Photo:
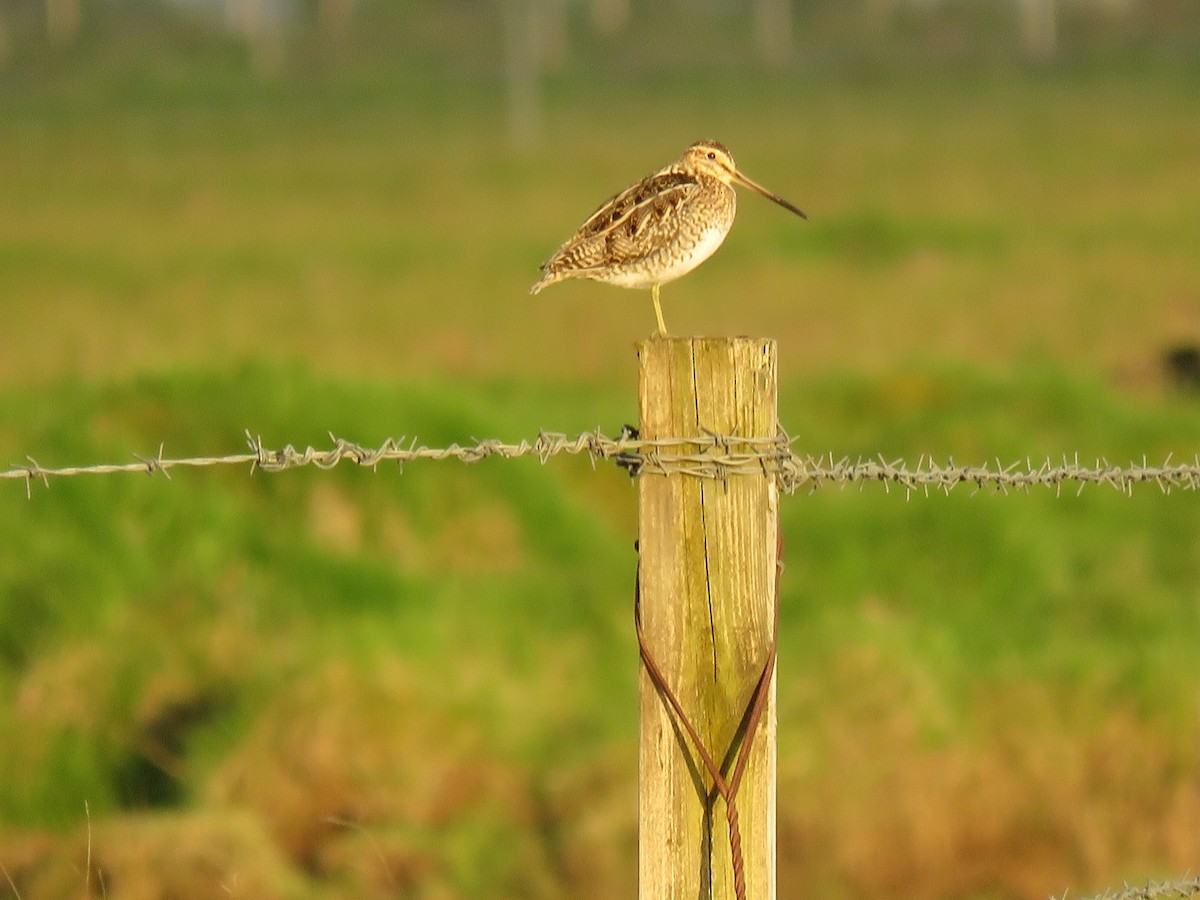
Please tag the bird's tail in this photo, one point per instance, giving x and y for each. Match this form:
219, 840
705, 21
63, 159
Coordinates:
545, 281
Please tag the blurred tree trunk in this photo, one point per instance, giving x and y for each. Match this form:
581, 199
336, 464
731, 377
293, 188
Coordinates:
522, 64
251, 20
1039, 29
610, 16
5, 39
773, 31
62, 20
879, 14
333, 18
550, 32
244, 17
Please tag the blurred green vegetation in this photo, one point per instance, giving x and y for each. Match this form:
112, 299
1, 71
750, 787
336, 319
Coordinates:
422, 683
316, 647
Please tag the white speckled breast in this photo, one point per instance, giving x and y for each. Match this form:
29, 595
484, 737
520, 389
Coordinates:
706, 245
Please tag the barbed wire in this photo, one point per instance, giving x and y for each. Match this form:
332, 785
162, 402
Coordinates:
709, 455
1173, 890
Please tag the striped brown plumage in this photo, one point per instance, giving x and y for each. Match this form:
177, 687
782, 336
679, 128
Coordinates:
658, 229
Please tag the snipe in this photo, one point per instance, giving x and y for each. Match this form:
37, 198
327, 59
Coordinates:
660, 228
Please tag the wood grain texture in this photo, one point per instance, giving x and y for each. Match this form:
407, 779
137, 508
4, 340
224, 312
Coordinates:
708, 552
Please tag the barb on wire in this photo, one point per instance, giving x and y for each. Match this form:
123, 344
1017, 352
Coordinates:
709, 455
928, 475
1167, 890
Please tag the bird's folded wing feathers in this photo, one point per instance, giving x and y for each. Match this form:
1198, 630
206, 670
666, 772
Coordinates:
623, 219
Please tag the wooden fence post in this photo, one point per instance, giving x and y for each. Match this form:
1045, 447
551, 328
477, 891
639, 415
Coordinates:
707, 581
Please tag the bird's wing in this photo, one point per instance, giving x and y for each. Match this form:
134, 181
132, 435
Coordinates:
622, 224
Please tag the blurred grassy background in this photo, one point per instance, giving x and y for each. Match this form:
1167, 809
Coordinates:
422, 684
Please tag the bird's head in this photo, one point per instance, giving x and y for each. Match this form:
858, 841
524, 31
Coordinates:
714, 160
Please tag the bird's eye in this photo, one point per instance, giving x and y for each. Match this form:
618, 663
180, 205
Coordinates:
711, 155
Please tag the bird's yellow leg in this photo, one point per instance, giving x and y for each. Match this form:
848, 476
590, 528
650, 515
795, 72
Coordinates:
662, 326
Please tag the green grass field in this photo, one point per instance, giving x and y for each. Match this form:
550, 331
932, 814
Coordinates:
423, 683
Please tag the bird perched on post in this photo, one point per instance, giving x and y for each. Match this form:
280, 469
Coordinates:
660, 228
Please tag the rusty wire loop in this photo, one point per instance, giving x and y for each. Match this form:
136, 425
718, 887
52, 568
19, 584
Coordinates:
709, 455
725, 787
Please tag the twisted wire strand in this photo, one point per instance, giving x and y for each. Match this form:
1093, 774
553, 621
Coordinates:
1185, 889
709, 455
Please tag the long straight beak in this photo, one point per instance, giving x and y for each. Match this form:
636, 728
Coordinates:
775, 198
